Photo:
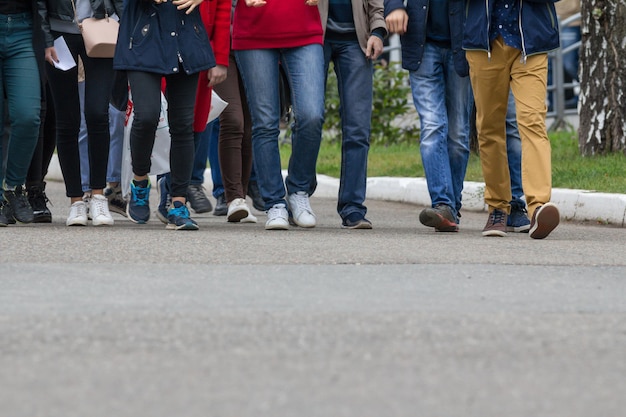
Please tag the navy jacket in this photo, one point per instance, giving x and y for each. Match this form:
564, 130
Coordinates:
415, 37
157, 38
538, 22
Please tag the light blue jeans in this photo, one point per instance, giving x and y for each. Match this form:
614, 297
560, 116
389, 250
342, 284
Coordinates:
442, 100
354, 81
21, 84
304, 67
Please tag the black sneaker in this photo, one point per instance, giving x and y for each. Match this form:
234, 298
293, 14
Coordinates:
545, 219
38, 201
221, 208
197, 199
356, 220
18, 201
117, 203
6, 216
496, 224
440, 217
255, 194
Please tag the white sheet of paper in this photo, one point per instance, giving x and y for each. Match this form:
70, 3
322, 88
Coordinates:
217, 107
66, 60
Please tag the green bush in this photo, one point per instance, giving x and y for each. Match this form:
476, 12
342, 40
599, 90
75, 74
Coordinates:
390, 102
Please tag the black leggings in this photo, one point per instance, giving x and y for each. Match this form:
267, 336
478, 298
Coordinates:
181, 89
64, 86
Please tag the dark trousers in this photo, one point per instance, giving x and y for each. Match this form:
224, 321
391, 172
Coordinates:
64, 86
145, 89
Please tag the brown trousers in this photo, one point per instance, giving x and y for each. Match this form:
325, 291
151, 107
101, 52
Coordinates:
491, 79
235, 140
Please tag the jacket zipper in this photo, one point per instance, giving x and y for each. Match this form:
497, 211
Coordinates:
521, 32
488, 29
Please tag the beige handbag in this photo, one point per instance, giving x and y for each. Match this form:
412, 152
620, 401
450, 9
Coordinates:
99, 35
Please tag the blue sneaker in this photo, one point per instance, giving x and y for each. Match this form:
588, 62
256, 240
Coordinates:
165, 199
138, 208
518, 220
178, 218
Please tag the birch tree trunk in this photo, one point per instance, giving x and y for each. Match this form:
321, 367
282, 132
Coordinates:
602, 77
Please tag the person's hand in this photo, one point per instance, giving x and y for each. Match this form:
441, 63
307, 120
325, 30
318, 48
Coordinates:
374, 47
216, 75
51, 55
255, 3
397, 21
184, 4
311, 2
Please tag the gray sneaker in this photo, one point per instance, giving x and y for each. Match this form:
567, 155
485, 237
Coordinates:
197, 199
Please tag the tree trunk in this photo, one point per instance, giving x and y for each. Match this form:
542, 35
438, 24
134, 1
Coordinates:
603, 77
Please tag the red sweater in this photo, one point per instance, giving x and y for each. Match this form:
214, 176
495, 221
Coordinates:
278, 24
216, 17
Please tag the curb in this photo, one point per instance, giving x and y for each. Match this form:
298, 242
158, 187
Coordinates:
578, 205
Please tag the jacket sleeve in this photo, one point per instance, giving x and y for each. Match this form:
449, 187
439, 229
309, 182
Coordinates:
220, 36
376, 14
42, 9
391, 5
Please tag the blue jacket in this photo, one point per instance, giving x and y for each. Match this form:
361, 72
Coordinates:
157, 37
538, 24
415, 37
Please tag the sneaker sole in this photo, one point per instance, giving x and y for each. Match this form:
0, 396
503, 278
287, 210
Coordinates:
441, 224
105, 222
520, 229
237, 216
306, 226
277, 226
494, 233
186, 226
547, 219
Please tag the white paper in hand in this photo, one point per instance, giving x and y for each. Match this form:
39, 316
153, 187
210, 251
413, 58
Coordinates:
217, 107
66, 60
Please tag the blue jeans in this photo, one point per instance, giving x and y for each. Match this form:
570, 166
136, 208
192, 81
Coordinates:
20, 82
304, 67
442, 100
206, 147
514, 154
354, 81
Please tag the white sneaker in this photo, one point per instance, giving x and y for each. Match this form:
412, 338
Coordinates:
99, 210
237, 210
78, 214
277, 218
301, 212
250, 219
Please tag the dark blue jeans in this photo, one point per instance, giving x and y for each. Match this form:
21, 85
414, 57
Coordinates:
354, 81
20, 82
206, 147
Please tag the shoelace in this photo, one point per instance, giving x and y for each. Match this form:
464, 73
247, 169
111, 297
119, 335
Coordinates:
497, 216
100, 207
140, 195
303, 203
197, 192
181, 211
79, 210
275, 211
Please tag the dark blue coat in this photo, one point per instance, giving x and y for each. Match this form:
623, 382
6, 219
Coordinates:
538, 22
415, 37
157, 38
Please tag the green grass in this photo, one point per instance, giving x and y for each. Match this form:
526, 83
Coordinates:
569, 168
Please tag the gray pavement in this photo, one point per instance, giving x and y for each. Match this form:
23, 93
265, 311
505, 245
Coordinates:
236, 321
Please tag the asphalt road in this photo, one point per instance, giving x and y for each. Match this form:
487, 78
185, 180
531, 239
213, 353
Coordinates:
236, 321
